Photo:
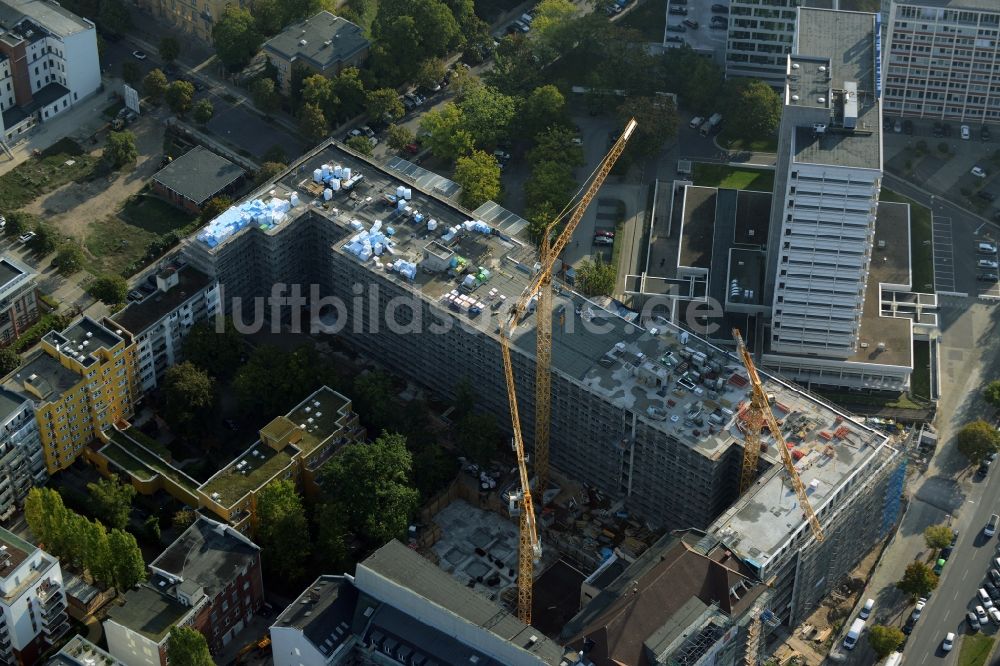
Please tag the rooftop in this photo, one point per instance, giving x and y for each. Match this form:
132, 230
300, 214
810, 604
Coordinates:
45, 374
408, 569
834, 53
322, 415
982, 5
149, 613
698, 226
322, 40
207, 555
248, 472
199, 174
78, 651
47, 14
81, 339
13, 274
323, 612
393, 630
139, 316
13, 551
136, 454
10, 402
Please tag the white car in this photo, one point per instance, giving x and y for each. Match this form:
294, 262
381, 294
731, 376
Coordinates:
987, 263
981, 615
995, 616
966, 134
918, 609
25, 237
978, 172
138, 55
949, 642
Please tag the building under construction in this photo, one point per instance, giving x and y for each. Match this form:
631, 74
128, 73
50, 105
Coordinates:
641, 410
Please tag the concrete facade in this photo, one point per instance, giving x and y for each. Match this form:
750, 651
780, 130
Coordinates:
760, 38
22, 462
18, 304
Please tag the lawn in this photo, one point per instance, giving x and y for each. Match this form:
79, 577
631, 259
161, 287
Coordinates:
921, 248
63, 162
920, 380
157, 216
975, 649
718, 175
648, 19
769, 145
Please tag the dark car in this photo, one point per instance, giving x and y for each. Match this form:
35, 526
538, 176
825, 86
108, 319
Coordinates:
681, 11
984, 133
887, 123
718, 26
945, 553
676, 28
954, 538
691, 24
986, 196
908, 627
908, 127
992, 590
720, 9
675, 39
995, 576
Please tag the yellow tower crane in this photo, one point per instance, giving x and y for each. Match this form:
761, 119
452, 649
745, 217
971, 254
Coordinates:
530, 548
758, 414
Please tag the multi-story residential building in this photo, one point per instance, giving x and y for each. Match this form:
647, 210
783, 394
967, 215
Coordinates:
293, 447
158, 323
78, 651
209, 579
32, 600
80, 381
940, 60
18, 305
22, 463
324, 44
191, 18
48, 62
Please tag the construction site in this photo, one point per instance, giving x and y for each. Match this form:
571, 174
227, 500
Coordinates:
646, 425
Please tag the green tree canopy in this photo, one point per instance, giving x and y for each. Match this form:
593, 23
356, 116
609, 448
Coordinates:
269, 16
374, 399
443, 131
179, 96
236, 37
553, 25
550, 183
203, 111
992, 393
155, 85
696, 79
486, 114
188, 393
10, 361
282, 531
112, 501
318, 91
69, 258
131, 72
977, 440
383, 104
753, 110
657, 123
555, 144
399, 136
918, 580
120, 149
595, 277
515, 68
44, 241
289, 376
215, 207
360, 144
937, 536
371, 483
332, 536
183, 519
269, 170
545, 107
430, 72
479, 176
113, 16
169, 49
265, 95
884, 640
479, 437
187, 646
109, 289
350, 93
312, 122
127, 565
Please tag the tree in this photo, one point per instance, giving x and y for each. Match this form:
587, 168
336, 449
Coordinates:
10, 361
318, 91
992, 393
46, 516
552, 26
113, 16
556, 144
397, 52
179, 96
187, 647
203, 111
331, 536
697, 80
127, 565
282, 531
399, 136
288, 375
657, 118
595, 277
543, 108
69, 258
349, 91
169, 49
112, 501
131, 72
938, 536
214, 207
383, 104
918, 580
269, 15
371, 483
753, 110
236, 37
44, 241
443, 132
478, 437
109, 289
265, 95
550, 182
431, 72
152, 528
977, 440
486, 114
433, 468
884, 640
120, 149
155, 85
183, 519
373, 399
479, 176
312, 122
269, 170
360, 144
188, 392
515, 67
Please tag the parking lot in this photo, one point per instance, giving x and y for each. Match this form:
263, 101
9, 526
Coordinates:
696, 19
944, 255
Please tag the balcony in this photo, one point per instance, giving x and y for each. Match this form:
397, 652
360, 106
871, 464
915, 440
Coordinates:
48, 591
53, 630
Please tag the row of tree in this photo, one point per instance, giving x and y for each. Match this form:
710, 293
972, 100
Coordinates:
112, 557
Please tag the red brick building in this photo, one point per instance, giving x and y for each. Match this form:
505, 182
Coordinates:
195, 177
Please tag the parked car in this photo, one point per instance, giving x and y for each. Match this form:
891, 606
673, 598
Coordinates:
691, 24
986, 248
986, 196
897, 127
978, 172
991, 590
680, 11
26, 236
603, 240
918, 609
675, 39
866, 610
411, 148
720, 9
136, 295
138, 55
908, 127
995, 615
974, 623
718, 26
988, 277
945, 552
995, 576
986, 263
949, 642
984, 133
939, 566
676, 28
981, 615
966, 134
605, 233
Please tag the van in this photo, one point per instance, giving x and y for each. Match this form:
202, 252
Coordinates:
984, 598
854, 634
866, 610
696, 122
991, 527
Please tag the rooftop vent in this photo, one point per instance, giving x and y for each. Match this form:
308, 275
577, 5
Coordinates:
822, 68
303, 42
795, 98
795, 65
822, 100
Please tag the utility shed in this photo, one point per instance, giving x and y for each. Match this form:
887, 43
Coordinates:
195, 177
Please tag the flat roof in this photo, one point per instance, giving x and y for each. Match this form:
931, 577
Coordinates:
248, 472
747, 267
11, 270
47, 375
137, 317
199, 174
833, 48
322, 40
78, 651
208, 554
49, 15
980, 5
322, 415
15, 551
149, 613
10, 402
698, 226
81, 339
323, 612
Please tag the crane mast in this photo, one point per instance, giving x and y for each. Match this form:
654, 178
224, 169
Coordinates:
760, 407
529, 545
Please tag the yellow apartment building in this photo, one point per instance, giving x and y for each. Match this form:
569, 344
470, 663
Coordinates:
81, 380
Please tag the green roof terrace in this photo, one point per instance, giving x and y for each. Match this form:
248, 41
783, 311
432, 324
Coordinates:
250, 471
138, 449
318, 417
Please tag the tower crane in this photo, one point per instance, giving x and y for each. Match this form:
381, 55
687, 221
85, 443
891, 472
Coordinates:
529, 546
758, 414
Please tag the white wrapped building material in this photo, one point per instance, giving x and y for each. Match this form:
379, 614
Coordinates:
327, 194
